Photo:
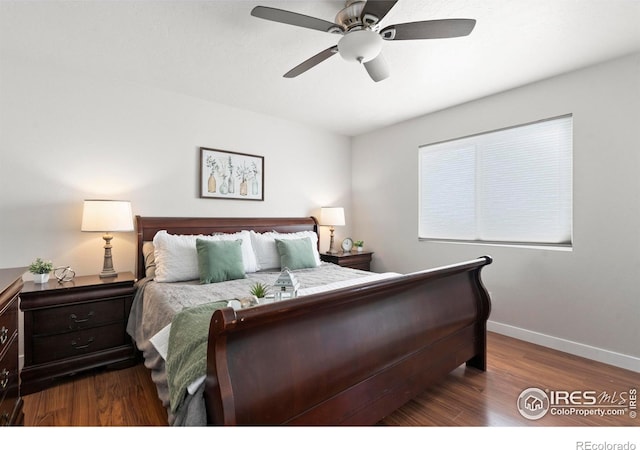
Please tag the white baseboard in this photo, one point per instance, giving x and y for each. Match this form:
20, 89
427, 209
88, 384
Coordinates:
563, 345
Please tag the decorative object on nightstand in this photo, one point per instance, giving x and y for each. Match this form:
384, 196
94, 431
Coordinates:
64, 274
354, 260
40, 270
332, 217
359, 245
107, 216
347, 245
74, 326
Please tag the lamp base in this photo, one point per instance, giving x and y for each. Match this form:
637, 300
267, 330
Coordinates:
107, 265
331, 251
111, 274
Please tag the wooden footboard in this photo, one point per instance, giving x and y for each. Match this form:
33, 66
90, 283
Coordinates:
349, 356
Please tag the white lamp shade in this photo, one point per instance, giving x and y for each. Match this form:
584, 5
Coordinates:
332, 216
107, 215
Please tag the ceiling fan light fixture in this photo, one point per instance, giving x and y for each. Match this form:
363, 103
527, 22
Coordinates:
361, 41
360, 45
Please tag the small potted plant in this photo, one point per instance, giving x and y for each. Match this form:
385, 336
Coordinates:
258, 291
358, 245
40, 270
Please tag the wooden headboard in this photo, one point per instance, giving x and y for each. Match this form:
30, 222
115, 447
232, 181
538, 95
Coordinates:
147, 227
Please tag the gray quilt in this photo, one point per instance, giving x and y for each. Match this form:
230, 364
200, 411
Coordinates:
156, 304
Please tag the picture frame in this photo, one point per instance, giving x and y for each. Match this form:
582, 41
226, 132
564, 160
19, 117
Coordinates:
231, 175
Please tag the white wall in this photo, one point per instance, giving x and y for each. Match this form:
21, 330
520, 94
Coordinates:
586, 301
67, 136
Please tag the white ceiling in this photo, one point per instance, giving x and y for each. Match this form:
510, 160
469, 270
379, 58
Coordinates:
217, 51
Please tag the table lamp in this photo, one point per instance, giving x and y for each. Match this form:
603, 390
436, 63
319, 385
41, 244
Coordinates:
107, 216
332, 217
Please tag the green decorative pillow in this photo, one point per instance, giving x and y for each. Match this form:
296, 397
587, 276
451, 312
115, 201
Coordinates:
296, 253
219, 260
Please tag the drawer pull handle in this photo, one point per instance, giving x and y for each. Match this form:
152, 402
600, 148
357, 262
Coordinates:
4, 335
4, 378
76, 320
75, 345
4, 419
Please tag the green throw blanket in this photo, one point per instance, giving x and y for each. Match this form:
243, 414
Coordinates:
187, 352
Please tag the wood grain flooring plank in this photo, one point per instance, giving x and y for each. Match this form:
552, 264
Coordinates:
466, 397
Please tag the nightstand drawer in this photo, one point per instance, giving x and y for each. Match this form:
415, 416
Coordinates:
77, 317
8, 382
76, 343
10, 402
8, 324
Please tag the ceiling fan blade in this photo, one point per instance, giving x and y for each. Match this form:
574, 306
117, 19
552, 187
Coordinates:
311, 62
429, 29
377, 8
377, 68
291, 18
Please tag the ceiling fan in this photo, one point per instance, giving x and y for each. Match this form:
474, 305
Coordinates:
359, 24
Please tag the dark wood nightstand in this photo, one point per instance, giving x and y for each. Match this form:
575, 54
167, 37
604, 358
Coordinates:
355, 260
10, 401
74, 326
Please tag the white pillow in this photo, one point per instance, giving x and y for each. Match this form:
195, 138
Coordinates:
176, 256
266, 251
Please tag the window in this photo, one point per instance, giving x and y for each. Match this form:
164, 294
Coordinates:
506, 186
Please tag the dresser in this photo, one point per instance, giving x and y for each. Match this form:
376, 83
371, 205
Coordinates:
10, 400
74, 326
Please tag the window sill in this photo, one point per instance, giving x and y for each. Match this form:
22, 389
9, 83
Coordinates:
533, 246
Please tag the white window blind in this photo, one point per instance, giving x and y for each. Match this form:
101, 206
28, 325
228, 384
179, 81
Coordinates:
512, 185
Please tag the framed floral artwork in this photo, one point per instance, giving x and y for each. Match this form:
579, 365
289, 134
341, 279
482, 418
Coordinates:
231, 175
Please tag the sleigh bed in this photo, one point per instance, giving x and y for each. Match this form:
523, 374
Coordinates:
347, 353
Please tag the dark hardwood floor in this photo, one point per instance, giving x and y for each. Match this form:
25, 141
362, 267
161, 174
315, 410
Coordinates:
125, 397
467, 397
